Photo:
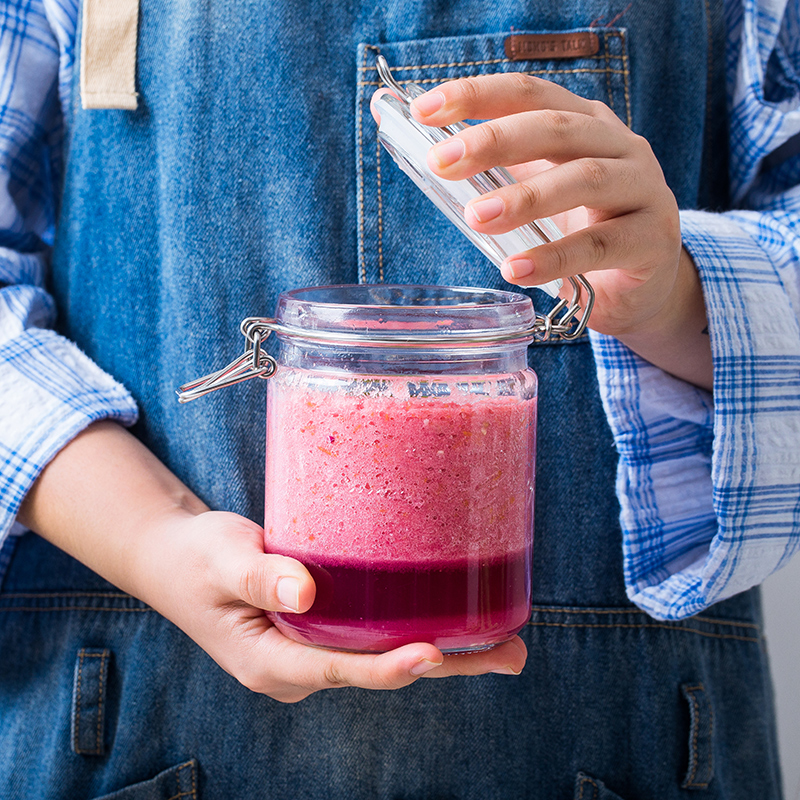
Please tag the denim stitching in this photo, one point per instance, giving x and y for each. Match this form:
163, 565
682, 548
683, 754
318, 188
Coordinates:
380, 210
696, 726
100, 707
709, 60
82, 654
73, 608
75, 733
361, 210
33, 595
720, 621
689, 782
584, 781
608, 74
642, 626
362, 252
575, 71
483, 63
638, 611
626, 75
538, 609
181, 793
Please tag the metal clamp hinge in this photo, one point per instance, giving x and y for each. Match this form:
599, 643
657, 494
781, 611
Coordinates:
567, 326
253, 363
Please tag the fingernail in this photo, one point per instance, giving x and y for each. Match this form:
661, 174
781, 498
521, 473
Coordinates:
488, 209
288, 592
506, 671
421, 667
520, 267
428, 103
448, 152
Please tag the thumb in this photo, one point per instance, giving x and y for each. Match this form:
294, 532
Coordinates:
276, 583
265, 580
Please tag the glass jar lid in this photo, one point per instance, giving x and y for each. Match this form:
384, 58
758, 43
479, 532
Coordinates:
409, 141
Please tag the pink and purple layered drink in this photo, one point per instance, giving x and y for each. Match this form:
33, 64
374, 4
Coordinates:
410, 502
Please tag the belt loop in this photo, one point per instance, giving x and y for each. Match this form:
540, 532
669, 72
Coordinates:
90, 689
700, 769
108, 54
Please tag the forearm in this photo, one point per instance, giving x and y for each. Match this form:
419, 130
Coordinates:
104, 499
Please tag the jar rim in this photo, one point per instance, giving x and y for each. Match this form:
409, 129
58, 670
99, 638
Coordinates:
399, 310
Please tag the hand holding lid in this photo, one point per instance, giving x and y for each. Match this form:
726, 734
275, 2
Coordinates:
577, 161
408, 141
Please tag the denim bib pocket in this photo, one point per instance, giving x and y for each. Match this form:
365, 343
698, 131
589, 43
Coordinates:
402, 238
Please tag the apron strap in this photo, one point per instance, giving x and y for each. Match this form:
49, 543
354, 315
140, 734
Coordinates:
108, 54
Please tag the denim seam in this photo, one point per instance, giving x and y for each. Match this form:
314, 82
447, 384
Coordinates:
626, 75
362, 256
718, 621
606, 55
73, 608
575, 71
696, 726
611, 626
100, 704
379, 194
115, 595
76, 732
709, 65
584, 781
98, 746
380, 209
181, 793
638, 611
486, 61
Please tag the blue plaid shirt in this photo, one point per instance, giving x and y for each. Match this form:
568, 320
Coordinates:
709, 485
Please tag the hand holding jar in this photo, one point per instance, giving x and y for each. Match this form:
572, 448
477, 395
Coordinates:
109, 501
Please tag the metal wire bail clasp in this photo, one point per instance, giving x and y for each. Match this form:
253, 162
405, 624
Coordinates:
568, 325
253, 363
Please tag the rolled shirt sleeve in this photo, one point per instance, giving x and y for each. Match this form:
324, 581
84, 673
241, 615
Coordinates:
709, 486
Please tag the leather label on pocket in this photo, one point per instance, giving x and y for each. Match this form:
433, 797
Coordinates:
545, 46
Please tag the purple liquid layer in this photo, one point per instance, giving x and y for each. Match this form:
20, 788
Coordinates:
457, 606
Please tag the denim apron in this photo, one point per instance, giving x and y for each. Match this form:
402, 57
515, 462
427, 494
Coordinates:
251, 166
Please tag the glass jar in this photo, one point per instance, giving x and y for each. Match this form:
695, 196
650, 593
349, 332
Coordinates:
400, 464
401, 433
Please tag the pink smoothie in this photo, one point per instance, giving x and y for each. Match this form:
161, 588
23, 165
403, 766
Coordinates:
411, 506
